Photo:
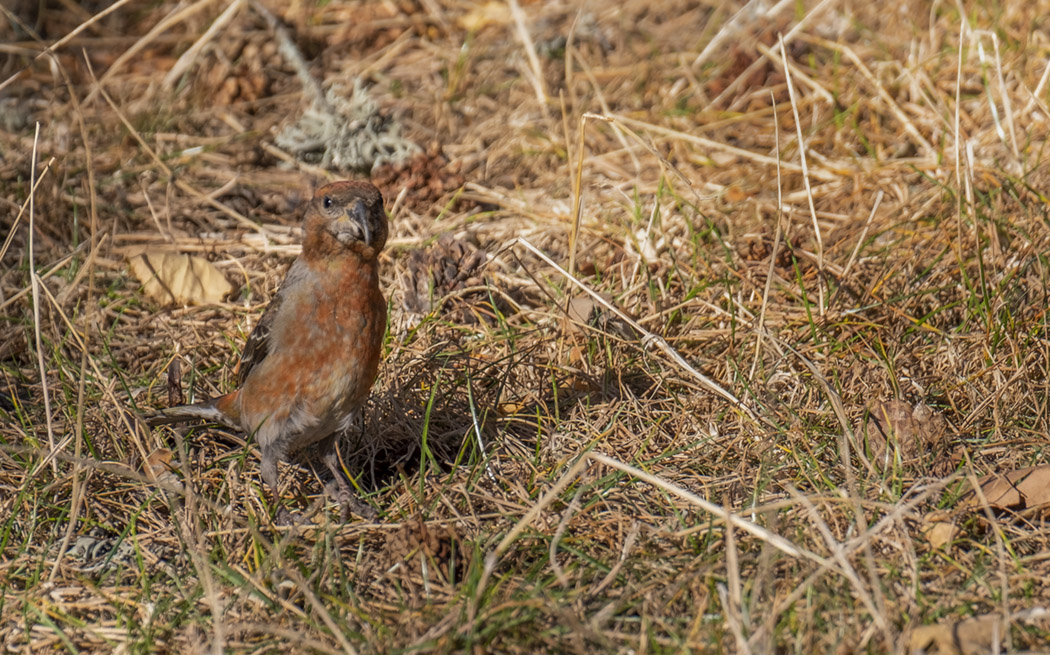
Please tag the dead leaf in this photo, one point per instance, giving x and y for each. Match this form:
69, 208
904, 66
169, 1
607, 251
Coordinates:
939, 529
723, 159
735, 194
583, 310
976, 636
174, 278
509, 409
1023, 489
895, 428
158, 468
969, 637
490, 13
158, 463
645, 246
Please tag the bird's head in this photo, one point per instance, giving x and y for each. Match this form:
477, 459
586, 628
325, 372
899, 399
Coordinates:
346, 216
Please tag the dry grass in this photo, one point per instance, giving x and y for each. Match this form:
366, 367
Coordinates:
543, 485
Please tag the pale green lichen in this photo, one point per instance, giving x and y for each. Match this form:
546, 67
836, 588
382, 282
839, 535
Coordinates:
346, 132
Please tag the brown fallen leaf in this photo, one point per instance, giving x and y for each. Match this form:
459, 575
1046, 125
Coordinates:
975, 636
158, 468
969, 637
735, 194
490, 13
509, 409
177, 279
158, 463
939, 529
1022, 489
583, 310
894, 427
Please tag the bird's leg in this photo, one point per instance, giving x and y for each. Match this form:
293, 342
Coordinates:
339, 488
270, 456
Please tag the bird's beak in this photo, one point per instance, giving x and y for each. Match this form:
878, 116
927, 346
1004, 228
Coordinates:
358, 213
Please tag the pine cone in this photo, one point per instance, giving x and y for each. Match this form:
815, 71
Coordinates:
448, 265
428, 176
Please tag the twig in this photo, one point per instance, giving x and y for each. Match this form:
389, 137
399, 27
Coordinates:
760, 61
183, 186
776, 244
536, 78
821, 282
821, 174
293, 56
773, 539
187, 58
35, 284
648, 338
907, 123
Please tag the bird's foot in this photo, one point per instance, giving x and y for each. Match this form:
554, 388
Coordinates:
284, 517
348, 501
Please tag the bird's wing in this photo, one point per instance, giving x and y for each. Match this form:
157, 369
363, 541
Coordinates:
257, 347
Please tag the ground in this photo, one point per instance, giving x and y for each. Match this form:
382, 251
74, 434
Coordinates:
706, 322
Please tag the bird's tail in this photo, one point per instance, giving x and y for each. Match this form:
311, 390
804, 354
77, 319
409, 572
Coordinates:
215, 410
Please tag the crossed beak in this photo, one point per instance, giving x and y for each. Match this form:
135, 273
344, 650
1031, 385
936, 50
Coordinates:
357, 219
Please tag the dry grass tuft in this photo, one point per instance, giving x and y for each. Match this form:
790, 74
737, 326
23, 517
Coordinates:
699, 311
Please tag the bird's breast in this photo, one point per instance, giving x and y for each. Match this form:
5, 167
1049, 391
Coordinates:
325, 350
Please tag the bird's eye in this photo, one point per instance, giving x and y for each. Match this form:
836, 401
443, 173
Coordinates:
327, 202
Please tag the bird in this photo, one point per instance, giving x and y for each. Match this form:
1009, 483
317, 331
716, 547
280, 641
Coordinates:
309, 364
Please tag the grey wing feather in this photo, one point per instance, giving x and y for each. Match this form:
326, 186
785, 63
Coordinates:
258, 345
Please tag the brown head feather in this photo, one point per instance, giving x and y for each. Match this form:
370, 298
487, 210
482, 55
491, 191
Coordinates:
345, 217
